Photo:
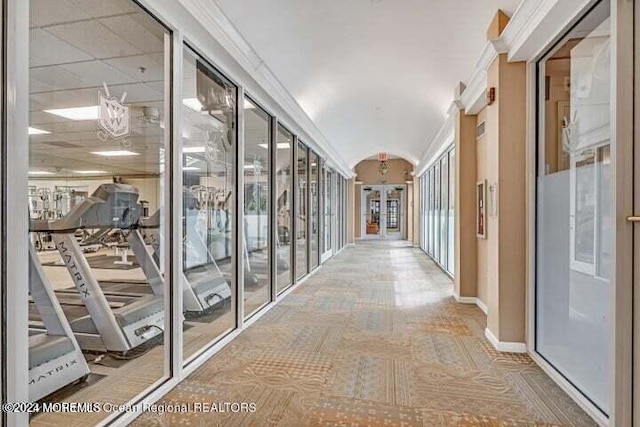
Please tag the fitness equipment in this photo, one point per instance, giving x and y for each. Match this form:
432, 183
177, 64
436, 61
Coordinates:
40, 208
55, 358
136, 320
204, 286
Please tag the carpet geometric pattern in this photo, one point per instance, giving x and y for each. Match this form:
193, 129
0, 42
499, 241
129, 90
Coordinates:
372, 339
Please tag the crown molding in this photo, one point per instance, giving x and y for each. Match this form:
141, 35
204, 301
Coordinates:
209, 14
523, 24
532, 28
445, 136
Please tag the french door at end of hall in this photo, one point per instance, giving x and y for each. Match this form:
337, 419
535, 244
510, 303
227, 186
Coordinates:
382, 211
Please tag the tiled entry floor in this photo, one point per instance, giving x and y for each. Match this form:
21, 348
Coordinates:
373, 339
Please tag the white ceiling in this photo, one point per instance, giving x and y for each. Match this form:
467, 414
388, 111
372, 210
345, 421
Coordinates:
374, 75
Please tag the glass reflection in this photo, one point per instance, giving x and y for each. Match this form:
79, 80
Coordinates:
256, 254
98, 132
314, 180
301, 213
444, 210
283, 208
451, 220
208, 158
574, 208
328, 209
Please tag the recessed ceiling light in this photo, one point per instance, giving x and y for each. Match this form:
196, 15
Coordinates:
115, 153
193, 103
280, 145
40, 173
78, 113
190, 168
199, 149
90, 172
36, 131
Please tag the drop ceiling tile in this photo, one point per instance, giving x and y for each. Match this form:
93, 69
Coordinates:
75, 130
56, 76
61, 99
95, 73
130, 65
39, 117
91, 36
49, 12
100, 8
142, 93
136, 31
47, 49
36, 86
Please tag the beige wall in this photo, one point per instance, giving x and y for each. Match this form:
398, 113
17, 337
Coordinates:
497, 158
465, 276
500, 160
512, 193
367, 172
486, 147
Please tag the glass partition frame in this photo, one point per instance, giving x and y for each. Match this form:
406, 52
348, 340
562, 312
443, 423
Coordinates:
573, 169
268, 208
314, 207
437, 211
301, 192
285, 206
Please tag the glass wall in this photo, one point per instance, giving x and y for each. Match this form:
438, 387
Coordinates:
284, 277
431, 212
208, 163
437, 215
133, 175
444, 210
574, 207
301, 212
436, 212
257, 196
314, 208
99, 130
329, 218
451, 223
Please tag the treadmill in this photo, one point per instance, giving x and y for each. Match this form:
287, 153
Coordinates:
119, 323
204, 286
55, 358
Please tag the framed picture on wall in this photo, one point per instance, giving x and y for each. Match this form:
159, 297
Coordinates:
481, 209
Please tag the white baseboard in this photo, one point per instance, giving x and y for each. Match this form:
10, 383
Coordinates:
472, 300
503, 346
482, 306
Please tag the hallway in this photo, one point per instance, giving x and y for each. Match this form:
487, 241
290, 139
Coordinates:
373, 338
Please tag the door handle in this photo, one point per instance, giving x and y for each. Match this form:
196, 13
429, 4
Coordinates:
633, 218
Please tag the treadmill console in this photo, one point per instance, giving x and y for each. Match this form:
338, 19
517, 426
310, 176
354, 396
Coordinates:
110, 206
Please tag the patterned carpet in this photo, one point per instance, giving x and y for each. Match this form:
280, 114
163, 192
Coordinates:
372, 339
